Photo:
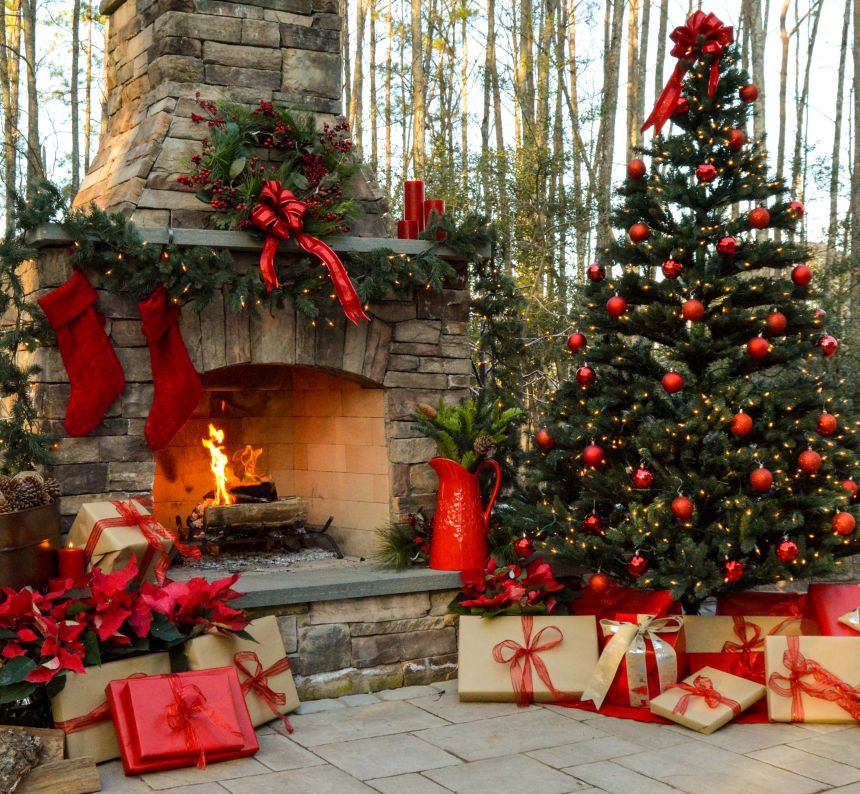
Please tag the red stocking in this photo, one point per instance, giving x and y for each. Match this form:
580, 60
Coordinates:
94, 371
177, 384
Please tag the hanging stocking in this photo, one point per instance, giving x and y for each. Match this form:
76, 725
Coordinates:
94, 371
177, 384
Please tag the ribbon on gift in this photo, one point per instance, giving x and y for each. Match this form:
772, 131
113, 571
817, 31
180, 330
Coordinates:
750, 643
702, 687
628, 644
704, 34
521, 659
152, 531
279, 214
99, 714
824, 684
851, 619
258, 681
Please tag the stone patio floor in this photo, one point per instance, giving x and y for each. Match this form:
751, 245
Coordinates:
422, 740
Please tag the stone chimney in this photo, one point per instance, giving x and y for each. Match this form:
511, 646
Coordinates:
159, 53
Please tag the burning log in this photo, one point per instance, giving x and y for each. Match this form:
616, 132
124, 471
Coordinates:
257, 515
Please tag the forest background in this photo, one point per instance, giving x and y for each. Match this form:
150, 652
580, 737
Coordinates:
525, 109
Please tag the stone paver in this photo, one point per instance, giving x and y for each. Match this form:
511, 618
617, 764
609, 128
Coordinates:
513, 773
414, 784
609, 776
813, 766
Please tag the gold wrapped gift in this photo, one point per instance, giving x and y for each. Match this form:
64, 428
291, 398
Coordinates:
711, 633
851, 619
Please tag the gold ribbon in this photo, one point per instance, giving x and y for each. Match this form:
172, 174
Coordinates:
628, 644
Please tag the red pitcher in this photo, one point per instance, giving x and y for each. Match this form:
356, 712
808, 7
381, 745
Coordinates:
460, 523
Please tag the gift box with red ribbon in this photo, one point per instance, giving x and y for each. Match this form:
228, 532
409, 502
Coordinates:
755, 603
834, 608
180, 720
261, 664
622, 603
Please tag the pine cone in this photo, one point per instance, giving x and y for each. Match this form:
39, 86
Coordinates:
28, 492
428, 410
50, 491
483, 445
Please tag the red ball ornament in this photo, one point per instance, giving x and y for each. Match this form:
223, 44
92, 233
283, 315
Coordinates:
639, 232
758, 218
851, 487
682, 508
801, 275
777, 322
576, 342
733, 570
828, 345
682, 107
787, 551
616, 306
598, 583
797, 209
545, 442
706, 173
593, 524
827, 424
749, 92
595, 272
636, 169
671, 268
672, 382
758, 347
820, 314
809, 461
692, 310
642, 478
727, 246
843, 523
741, 424
761, 479
737, 138
585, 376
637, 565
524, 547
593, 455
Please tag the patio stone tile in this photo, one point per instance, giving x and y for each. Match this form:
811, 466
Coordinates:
363, 699
512, 773
200, 788
602, 749
646, 734
313, 706
280, 753
189, 776
412, 783
449, 707
609, 776
316, 780
854, 788
838, 746
113, 779
813, 766
445, 686
748, 738
406, 693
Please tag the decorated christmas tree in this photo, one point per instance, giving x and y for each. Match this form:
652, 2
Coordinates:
702, 444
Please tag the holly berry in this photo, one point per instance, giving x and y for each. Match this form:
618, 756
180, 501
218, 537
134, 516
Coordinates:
545, 442
759, 218
682, 508
595, 272
749, 92
593, 524
593, 455
741, 424
843, 523
851, 487
787, 551
776, 322
797, 209
524, 547
809, 461
576, 341
827, 424
761, 479
639, 232
599, 583
616, 306
828, 345
758, 347
706, 173
642, 478
671, 268
636, 169
672, 382
692, 310
737, 138
585, 376
727, 246
801, 275
637, 565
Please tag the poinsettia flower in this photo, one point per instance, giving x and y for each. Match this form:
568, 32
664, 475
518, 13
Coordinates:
44, 672
106, 585
487, 601
11, 650
514, 590
27, 635
108, 621
141, 618
539, 572
228, 618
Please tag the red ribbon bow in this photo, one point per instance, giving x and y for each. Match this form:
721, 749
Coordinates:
259, 681
743, 663
704, 34
522, 657
702, 687
280, 215
824, 685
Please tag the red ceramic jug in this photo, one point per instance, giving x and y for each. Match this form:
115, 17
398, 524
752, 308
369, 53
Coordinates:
460, 523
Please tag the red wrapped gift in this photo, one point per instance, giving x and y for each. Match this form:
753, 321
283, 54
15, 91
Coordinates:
182, 719
622, 603
826, 603
755, 603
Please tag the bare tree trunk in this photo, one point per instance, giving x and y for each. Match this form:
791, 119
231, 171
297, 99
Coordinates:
525, 88
489, 57
9, 70
464, 96
356, 110
343, 10
756, 19
389, 36
642, 76
419, 89
558, 165
75, 101
582, 222
855, 172
374, 108
784, 37
88, 89
661, 49
802, 102
632, 137
35, 169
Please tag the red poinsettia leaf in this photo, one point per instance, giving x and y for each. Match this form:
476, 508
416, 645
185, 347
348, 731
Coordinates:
108, 622
11, 650
108, 584
141, 618
72, 661
44, 672
27, 635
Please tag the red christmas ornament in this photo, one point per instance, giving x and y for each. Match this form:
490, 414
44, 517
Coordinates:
596, 272
843, 523
682, 508
851, 487
636, 169
727, 246
820, 314
777, 322
672, 382
671, 268
576, 342
642, 478
637, 565
827, 424
787, 551
598, 583
737, 138
524, 547
749, 92
593, 455
828, 345
639, 232
733, 570
585, 376
706, 173
545, 442
797, 209
801, 275
758, 347
741, 424
593, 524
761, 479
809, 461
682, 107
759, 218
616, 306
692, 310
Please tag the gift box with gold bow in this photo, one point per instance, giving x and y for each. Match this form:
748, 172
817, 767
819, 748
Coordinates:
525, 658
261, 664
834, 607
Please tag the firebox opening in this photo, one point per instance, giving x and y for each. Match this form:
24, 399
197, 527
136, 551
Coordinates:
314, 434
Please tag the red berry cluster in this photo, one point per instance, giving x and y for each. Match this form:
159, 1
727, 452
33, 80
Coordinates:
336, 137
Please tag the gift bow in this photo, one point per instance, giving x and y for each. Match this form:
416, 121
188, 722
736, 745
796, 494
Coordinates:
628, 642
521, 658
704, 34
753, 643
824, 684
259, 681
702, 687
280, 215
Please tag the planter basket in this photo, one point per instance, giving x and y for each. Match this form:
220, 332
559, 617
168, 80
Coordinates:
28, 545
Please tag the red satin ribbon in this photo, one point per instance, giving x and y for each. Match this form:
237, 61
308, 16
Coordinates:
259, 681
704, 34
279, 214
522, 657
702, 687
100, 713
824, 685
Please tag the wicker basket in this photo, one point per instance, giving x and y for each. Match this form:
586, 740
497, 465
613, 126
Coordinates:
28, 545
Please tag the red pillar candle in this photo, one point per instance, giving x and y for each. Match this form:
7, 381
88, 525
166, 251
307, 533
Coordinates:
407, 230
71, 563
413, 201
437, 206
